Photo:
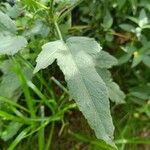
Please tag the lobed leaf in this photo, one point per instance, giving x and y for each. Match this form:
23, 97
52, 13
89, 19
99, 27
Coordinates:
115, 93
85, 85
105, 60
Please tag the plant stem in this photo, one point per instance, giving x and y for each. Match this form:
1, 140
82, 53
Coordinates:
58, 30
40, 77
51, 7
25, 88
50, 136
59, 84
61, 15
41, 138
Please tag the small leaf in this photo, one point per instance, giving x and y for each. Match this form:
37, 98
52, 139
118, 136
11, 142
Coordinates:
137, 59
105, 60
135, 20
143, 19
109, 37
10, 45
85, 85
8, 88
115, 93
39, 28
147, 26
140, 95
123, 59
14, 11
121, 3
108, 20
127, 27
140, 91
129, 49
6, 23
9, 85
146, 60
11, 130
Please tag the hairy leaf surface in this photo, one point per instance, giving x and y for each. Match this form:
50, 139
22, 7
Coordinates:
105, 60
6, 23
10, 85
115, 93
10, 45
84, 83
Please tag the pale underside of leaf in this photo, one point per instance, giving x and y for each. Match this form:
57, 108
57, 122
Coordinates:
89, 45
115, 93
9, 85
10, 45
85, 85
105, 60
90, 93
6, 23
48, 55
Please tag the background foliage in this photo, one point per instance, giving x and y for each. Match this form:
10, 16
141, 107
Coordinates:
37, 107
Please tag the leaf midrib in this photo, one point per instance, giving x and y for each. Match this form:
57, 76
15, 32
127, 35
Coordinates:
80, 76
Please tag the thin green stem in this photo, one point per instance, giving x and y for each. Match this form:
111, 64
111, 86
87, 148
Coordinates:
25, 88
41, 5
43, 98
41, 136
50, 136
59, 84
61, 15
58, 30
12, 103
40, 77
51, 7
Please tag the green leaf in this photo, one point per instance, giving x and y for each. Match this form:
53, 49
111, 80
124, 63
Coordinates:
127, 27
133, 19
146, 60
129, 49
143, 19
123, 59
33, 5
13, 11
137, 59
140, 91
105, 60
48, 55
39, 28
8, 88
108, 20
6, 23
115, 93
85, 85
147, 26
19, 138
11, 130
121, 3
140, 95
10, 45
